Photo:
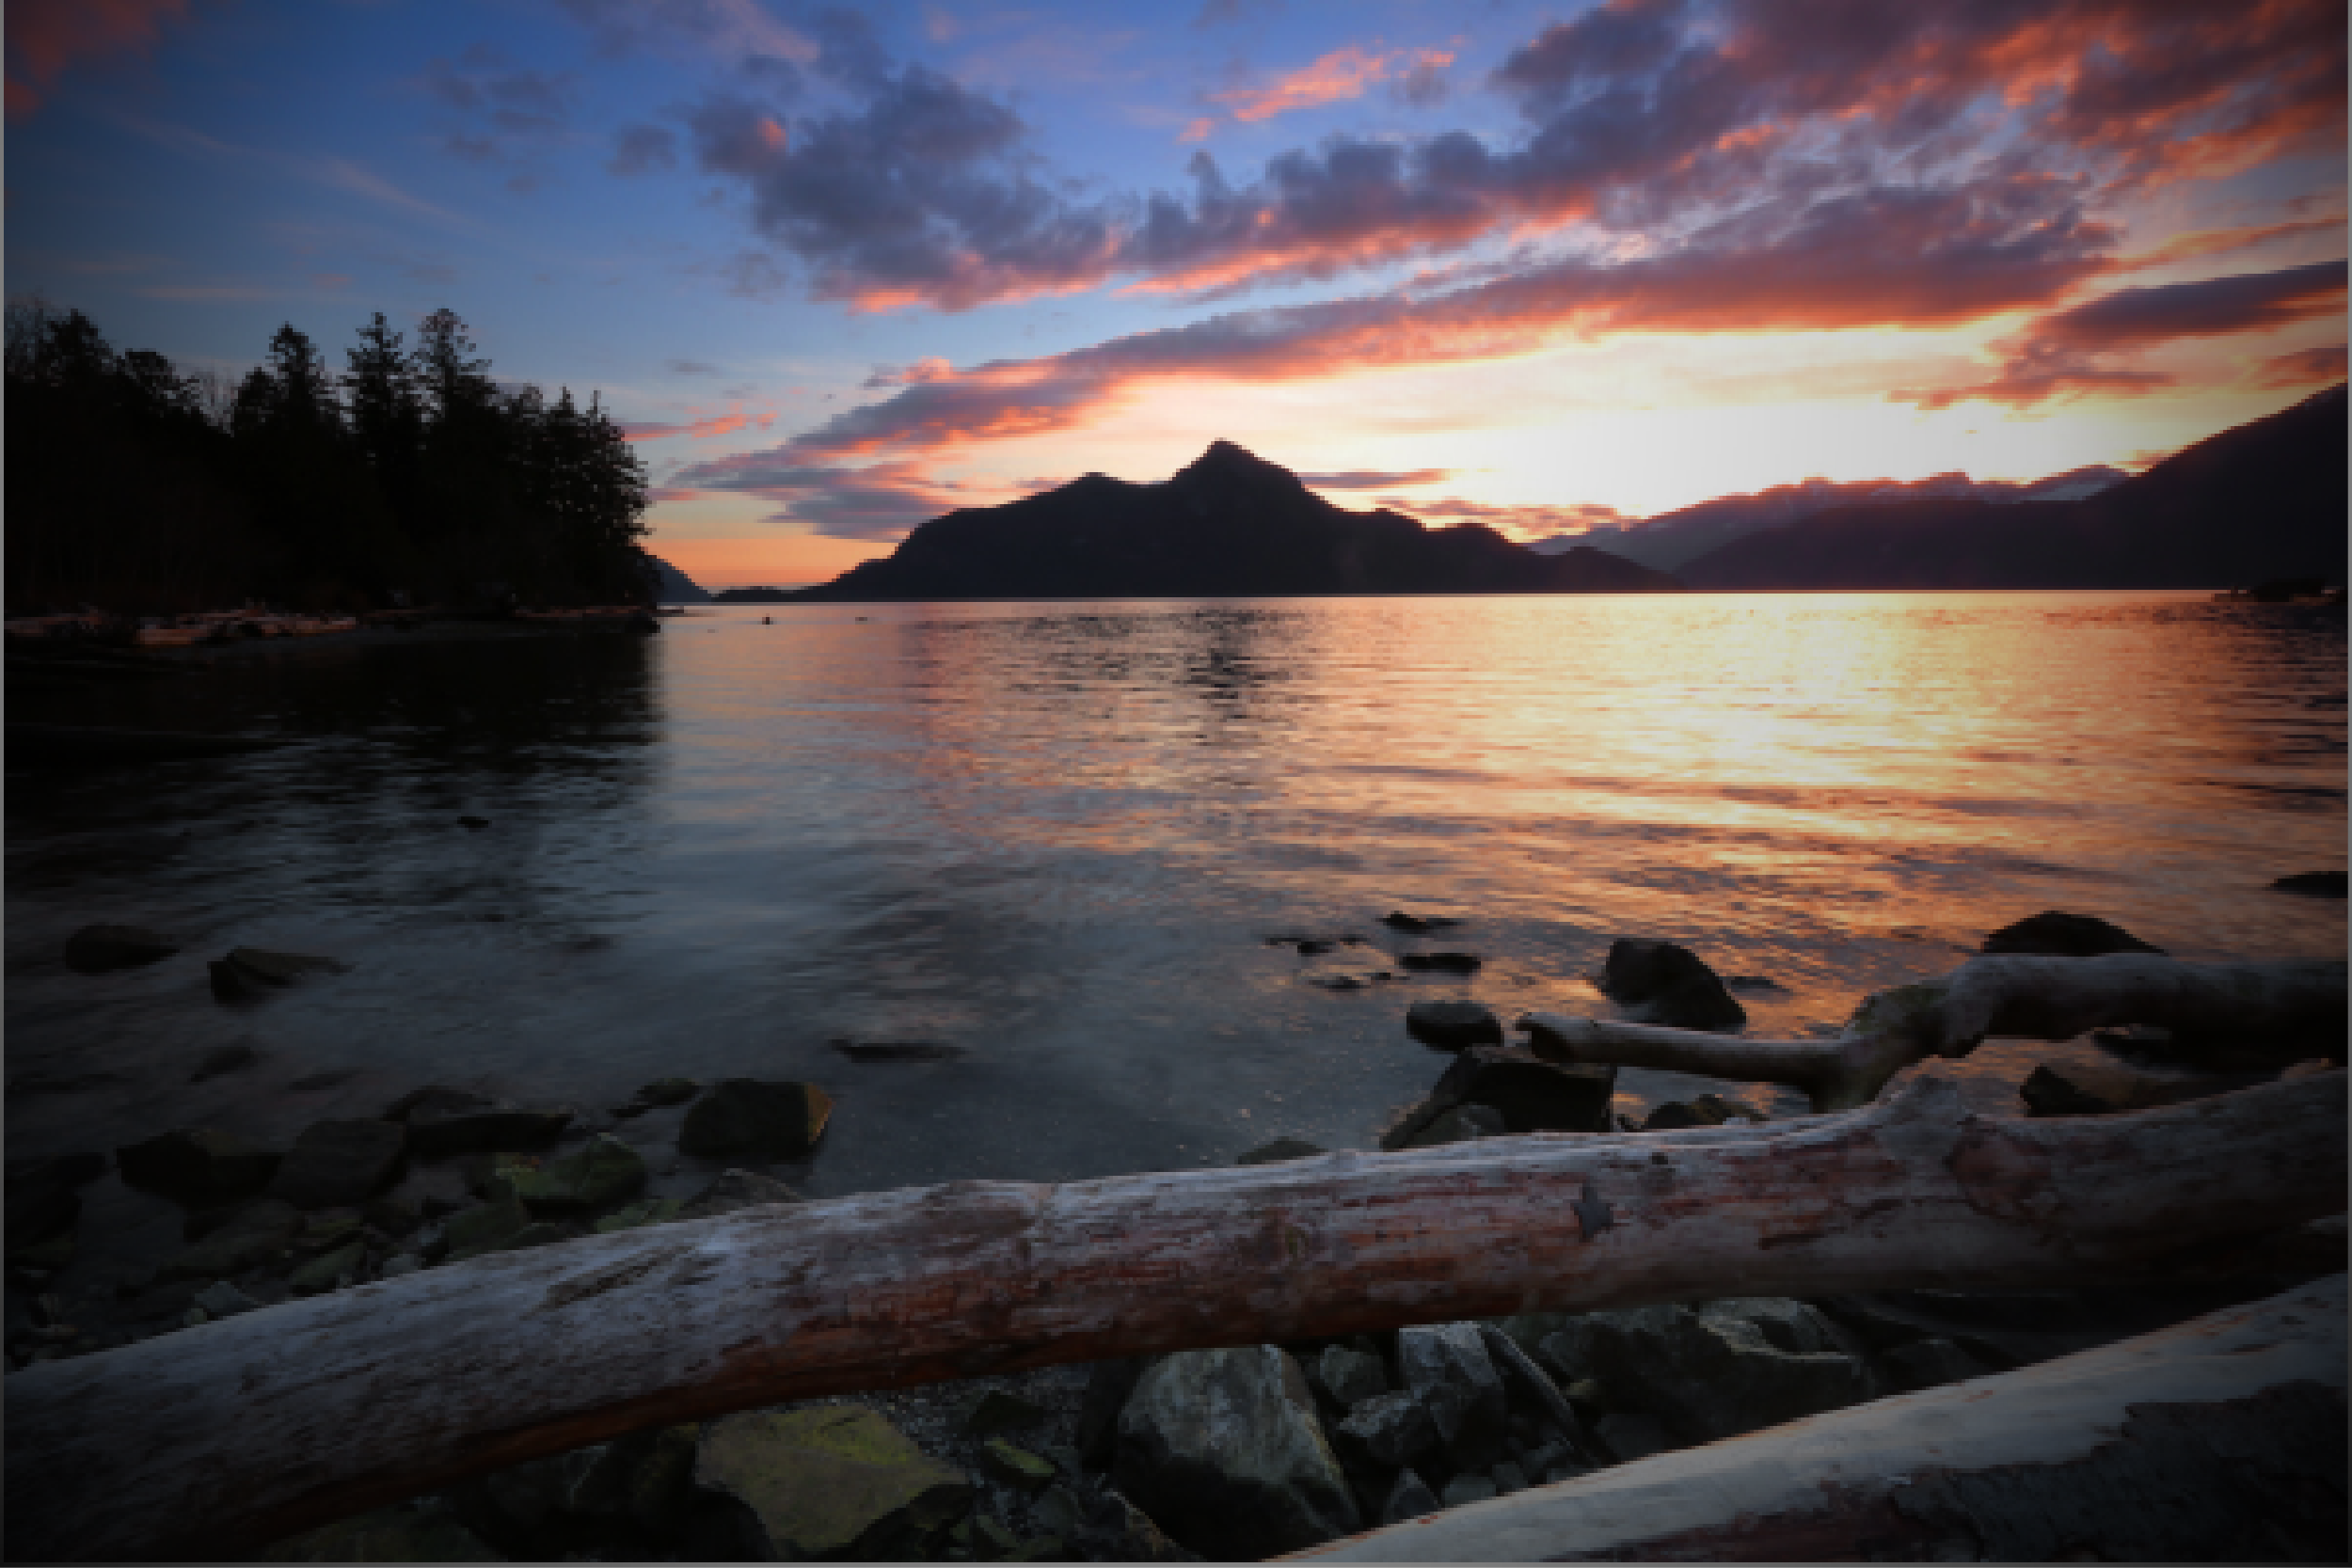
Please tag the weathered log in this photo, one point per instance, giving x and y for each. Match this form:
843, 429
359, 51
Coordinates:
211, 1441
2219, 1440
2035, 998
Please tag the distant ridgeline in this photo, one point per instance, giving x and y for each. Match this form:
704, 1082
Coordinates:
1230, 525
2263, 502
138, 488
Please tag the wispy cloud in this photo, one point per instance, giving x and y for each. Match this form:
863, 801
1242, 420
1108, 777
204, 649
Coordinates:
2072, 351
1373, 479
1341, 74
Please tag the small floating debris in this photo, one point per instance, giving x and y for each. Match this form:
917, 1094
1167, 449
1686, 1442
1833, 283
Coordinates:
897, 1051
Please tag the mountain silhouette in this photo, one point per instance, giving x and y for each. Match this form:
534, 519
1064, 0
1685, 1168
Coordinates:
1230, 525
2261, 501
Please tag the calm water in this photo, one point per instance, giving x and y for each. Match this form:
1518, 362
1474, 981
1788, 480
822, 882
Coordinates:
1057, 835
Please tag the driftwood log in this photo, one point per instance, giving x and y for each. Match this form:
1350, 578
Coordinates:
215, 1440
2034, 998
2219, 1440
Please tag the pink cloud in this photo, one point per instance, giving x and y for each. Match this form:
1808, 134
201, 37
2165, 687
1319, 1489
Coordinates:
44, 37
1342, 73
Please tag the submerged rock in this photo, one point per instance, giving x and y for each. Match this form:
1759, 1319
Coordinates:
338, 1162
1221, 1448
735, 1189
1279, 1150
2314, 884
830, 1481
247, 972
225, 1058
1670, 984
781, 1119
1441, 963
1452, 1025
443, 1128
198, 1165
1417, 925
102, 949
2057, 934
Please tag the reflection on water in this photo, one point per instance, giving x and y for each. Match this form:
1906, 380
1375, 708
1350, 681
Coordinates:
1057, 835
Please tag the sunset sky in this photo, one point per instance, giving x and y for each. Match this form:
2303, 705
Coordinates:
1544, 266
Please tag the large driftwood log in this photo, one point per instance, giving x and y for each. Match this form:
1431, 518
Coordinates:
2035, 998
2220, 1440
213, 1440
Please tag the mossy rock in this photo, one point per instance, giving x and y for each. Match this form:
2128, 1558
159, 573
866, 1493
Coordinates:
1016, 1467
604, 1172
485, 1228
387, 1535
255, 1235
320, 1274
830, 1481
652, 1210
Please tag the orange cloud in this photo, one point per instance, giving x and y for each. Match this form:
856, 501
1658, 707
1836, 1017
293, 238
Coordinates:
1340, 74
717, 424
46, 36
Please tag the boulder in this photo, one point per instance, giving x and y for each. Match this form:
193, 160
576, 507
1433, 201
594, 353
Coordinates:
248, 973
221, 1299
832, 1480
441, 1128
323, 1273
102, 949
1458, 1125
1451, 1026
1346, 1377
198, 1166
1632, 1437
1447, 1366
1441, 963
1115, 1530
1714, 1376
1668, 984
337, 1163
1015, 1467
1464, 1489
398, 1535
255, 1234
782, 1121
1385, 1431
1278, 1150
1786, 1324
2059, 935
1532, 1095
735, 1189
223, 1058
604, 1172
1222, 1449
1525, 1385
1408, 1498
486, 1228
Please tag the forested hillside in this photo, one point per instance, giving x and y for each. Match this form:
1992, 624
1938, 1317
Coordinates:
409, 474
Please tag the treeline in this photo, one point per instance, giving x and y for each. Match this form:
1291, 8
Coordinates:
410, 475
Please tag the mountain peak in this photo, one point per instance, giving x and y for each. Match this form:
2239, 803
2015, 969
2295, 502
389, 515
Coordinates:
1227, 460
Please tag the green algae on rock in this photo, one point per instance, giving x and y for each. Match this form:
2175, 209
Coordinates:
830, 1481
